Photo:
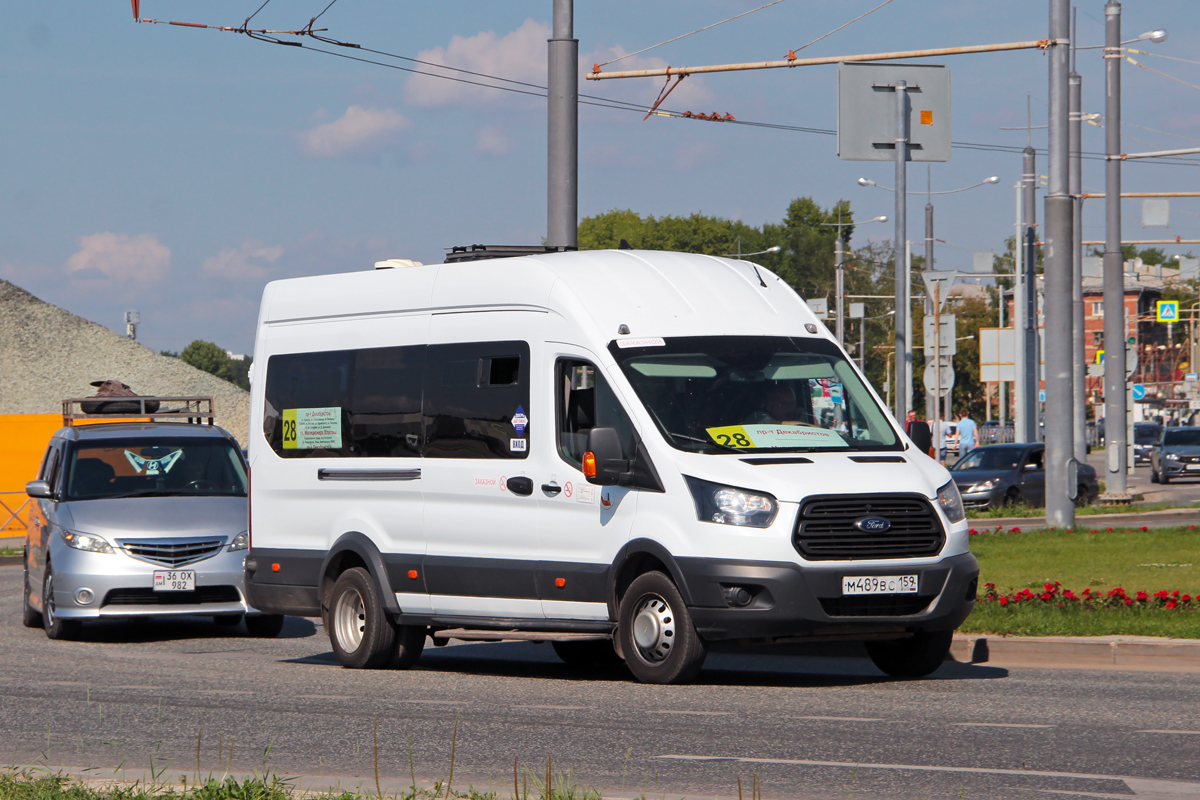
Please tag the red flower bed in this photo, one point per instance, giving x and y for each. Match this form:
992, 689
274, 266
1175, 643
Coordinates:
1054, 594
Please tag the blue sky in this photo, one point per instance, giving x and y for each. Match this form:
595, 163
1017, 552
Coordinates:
176, 170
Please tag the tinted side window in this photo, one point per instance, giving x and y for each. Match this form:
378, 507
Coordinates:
477, 400
586, 401
345, 403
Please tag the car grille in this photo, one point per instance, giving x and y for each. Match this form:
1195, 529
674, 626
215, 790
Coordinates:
826, 532
149, 597
885, 605
173, 553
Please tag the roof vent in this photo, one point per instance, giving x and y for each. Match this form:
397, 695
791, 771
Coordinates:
396, 263
480, 252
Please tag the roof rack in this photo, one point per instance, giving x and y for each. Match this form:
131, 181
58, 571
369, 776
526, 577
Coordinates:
479, 252
139, 408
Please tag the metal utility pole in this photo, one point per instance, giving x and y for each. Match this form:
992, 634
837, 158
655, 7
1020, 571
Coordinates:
1078, 335
1029, 340
901, 271
932, 404
1060, 256
1114, 264
1019, 409
839, 263
562, 190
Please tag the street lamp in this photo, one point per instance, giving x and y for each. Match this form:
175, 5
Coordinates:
839, 263
739, 254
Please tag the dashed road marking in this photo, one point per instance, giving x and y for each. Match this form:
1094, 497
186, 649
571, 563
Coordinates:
1001, 725
842, 719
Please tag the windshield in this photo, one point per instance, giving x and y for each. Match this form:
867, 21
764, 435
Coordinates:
1182, 437
155, 467
991, 458
1146, 434
719, 394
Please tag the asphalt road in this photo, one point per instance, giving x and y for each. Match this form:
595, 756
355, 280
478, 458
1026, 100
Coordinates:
163, 695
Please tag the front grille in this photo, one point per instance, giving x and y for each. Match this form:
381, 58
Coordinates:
149, 597
876, 605
826, 532
173, 554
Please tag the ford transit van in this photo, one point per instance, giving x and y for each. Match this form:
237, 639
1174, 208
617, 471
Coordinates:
631, 454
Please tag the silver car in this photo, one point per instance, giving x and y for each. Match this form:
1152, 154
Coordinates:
135, 520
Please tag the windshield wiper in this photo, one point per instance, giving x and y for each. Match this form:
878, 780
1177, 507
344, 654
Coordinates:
709, 442
146, 493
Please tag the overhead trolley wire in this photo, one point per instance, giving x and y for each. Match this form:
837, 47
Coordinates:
791, 53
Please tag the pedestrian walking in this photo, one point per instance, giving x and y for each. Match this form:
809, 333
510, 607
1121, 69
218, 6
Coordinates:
967, 439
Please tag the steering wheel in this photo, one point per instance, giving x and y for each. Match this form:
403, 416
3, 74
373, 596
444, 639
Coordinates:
202, 485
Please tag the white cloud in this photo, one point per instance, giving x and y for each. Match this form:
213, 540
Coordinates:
121, 256
492, 142
359, 133
520, 55
251, 261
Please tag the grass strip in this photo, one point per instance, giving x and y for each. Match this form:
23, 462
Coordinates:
1025, 510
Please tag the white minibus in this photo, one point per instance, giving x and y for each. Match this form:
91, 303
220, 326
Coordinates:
633, 455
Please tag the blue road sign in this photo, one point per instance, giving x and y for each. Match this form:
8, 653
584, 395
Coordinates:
1139, 391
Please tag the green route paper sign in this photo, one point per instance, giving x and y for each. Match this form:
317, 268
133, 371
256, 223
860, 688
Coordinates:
312, 428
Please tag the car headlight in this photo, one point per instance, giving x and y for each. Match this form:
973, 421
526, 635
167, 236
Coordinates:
240, 542
1173, 457
951, 502
86, 541
732, 506
983, 486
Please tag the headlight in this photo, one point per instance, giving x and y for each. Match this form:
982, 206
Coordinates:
240, 542
984, 486
86, 541
732, 506
1173, 457
951, 502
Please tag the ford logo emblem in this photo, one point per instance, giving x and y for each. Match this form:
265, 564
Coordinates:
873, 525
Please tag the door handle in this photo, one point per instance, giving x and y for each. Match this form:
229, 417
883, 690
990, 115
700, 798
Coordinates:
551, 488
521, 486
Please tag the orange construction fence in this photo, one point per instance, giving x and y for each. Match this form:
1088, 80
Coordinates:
23, 439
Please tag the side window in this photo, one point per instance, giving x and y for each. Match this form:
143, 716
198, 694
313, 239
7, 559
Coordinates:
476, 402
586, 401
51, 466
307, 403
1035, 458
385, 402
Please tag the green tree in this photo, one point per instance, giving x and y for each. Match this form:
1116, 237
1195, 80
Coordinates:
208, 357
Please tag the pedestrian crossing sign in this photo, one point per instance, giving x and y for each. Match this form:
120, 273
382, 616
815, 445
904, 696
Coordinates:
1168, 311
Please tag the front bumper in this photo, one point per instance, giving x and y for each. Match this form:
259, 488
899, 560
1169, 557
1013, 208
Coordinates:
123, 586
982, 500
1180, 469
806, 601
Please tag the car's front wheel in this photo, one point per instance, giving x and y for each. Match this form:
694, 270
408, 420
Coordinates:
656, 633
30, 616
914, 657
1153, 474
55, 626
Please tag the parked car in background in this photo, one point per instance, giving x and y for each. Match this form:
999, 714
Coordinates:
139, 518
1146, 436
1176, 455
1006, 474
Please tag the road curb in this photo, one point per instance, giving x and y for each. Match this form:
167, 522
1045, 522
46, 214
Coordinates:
1119, 652
1152, 519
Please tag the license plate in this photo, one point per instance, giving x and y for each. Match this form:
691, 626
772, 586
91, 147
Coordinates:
879, 584
175, 580
1193, 466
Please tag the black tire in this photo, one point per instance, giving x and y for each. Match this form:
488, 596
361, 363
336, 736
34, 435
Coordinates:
653, 612
1082, 496
410, 643
361, 634
264, 626
1164, 477
227, 620
1013, 497
914, 657
595, 653
1153, 474
55, 626
30, 617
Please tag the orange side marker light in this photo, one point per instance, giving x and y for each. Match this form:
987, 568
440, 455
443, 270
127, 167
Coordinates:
589, 464
274, 568
560, 582
412, 574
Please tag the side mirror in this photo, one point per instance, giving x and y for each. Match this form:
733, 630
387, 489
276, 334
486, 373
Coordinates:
604, 461
39, 489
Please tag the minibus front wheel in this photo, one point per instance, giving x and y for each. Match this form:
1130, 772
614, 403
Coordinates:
656, 633
361, 634
914, 657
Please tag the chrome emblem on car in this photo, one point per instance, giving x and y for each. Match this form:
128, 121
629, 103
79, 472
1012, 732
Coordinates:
873, 525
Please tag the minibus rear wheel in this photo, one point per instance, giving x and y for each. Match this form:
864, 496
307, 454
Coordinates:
914, 657
410, 643
656, 633
359, 630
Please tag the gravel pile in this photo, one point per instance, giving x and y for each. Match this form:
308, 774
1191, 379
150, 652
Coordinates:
48, 354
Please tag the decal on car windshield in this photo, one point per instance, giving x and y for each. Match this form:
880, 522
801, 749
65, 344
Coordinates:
153, 466
775, 435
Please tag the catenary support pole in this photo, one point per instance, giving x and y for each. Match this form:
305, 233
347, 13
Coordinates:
839, 264
1019, 315
1060, 256
901, 271
1114, 265
932, 401
562, 195
1078, 334
1029, 317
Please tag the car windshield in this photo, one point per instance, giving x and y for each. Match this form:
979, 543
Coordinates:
1146, 434
720, 394
990, 458
148, 467
1182, 437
